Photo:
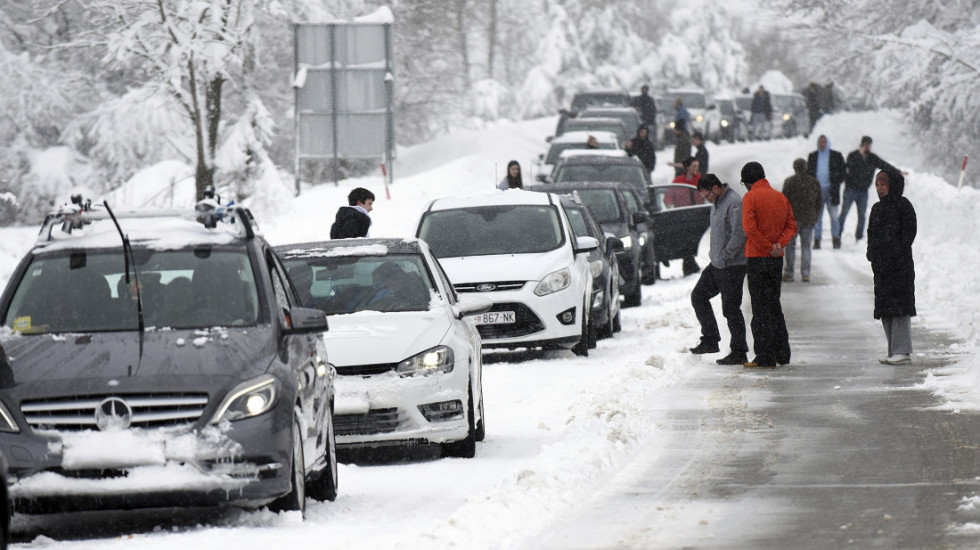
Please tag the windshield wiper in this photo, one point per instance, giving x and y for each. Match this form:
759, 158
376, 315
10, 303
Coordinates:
128, 256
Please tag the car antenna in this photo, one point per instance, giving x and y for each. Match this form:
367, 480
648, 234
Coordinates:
129, 257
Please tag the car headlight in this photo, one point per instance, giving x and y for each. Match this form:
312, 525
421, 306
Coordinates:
595, 267
787, 116
627, 242
643, 239
436, 360
724, 123
248, 399
699, 118
7, 423
553, 282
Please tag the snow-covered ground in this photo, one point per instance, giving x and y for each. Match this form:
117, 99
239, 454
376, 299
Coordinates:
558, 426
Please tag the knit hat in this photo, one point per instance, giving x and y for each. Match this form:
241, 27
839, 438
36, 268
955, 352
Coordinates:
752, 172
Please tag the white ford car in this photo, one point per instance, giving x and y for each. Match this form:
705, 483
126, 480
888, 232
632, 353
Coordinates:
409, 365
516, 249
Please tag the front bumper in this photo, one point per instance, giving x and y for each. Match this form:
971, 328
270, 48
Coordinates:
244, 463
537, 321
388, 409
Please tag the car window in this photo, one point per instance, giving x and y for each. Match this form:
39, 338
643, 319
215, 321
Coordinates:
576, 217
623, 173
677, 196
691, 100
632, 204
581, 102
88, 292
348, 284
726, 108
490, 230
556, 149
603, 204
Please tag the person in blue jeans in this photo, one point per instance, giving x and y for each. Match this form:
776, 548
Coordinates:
861, 167
830, 169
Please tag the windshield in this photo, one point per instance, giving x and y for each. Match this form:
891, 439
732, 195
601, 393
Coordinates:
726, 108
581, 102
691, 100
602, 203
489, 230
348, 284
624, 173
87, 291
597, 125
744, 102
558, 148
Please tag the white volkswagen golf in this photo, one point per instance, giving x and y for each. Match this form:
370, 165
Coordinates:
516, 249
409, 365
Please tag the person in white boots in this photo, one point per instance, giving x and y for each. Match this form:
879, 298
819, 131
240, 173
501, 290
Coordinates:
891, 231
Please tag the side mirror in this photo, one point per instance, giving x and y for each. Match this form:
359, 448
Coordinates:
614, 244
543, 178
712, 107
306, 320
540, 157
548, 139
640, 217
585, 244
472, 306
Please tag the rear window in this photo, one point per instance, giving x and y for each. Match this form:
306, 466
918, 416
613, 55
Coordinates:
556, 149
88, 292
692, 100
348, 284
491, 230
623, 173
584, 101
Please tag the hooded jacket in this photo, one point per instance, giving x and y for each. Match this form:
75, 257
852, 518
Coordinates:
891, 231
838, 170
767, 219
803, 192
642, 148
351, 223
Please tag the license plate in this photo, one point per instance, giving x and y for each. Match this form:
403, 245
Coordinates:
494, 318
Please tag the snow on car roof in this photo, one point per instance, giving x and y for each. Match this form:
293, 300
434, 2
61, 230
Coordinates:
498, 198
580, 136
349, 247
594, 152
158, 233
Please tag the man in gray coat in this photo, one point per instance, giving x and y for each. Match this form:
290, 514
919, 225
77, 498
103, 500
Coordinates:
725, 274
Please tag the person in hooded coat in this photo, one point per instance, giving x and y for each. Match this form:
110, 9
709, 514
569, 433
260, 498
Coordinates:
642, 148
891, 231
830, 169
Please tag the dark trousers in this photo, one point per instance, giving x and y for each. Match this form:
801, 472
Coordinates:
727, 282
768, 324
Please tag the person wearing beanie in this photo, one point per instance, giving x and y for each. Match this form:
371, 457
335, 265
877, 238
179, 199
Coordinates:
768, 221
725, 274
803, 192
891, 231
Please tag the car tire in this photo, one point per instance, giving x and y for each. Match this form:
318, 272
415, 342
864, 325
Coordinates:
608, 329
295, 499
466, 447
617, 323
481, 426
634, 298
323, 487
582, 347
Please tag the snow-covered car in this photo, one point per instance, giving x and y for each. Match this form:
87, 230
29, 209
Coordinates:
627, 115
571, 153
790, 116
599, 98
408, 359
618, 168
732, 125
571, 141
517, 250
679, 217
162, 359
604, 266
597, 124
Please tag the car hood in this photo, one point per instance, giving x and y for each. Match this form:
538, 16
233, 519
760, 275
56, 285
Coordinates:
80, 359
504, 267
373, 338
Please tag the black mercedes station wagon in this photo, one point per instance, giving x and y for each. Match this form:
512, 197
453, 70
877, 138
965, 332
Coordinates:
160, 359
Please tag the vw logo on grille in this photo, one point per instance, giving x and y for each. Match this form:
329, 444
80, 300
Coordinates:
113, 414
486, 287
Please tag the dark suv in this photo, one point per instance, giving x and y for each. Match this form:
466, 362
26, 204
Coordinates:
159, 359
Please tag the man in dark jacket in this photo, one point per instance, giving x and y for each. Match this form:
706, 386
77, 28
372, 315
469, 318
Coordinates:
761, 114
803, 192
642, 148
646, 107
861, 166
891, 231
682, 147
353, 221
829, 168
700, 151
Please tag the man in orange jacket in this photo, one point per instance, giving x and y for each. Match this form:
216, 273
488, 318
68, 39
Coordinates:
767, 218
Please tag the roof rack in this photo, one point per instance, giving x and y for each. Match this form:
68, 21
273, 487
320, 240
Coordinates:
208, 212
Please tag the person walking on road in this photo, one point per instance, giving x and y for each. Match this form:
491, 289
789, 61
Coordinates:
353, 221
513, 179
761, 113
682, 145
701, 151
803, 192
682, 114
646, 107
642, 148
767, 219
891, 231
829, 168
725, 274
861, 166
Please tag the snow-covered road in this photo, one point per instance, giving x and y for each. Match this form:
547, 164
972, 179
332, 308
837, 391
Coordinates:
561, 428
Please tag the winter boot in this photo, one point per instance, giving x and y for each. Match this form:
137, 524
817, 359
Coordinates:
836, 242
816, 244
